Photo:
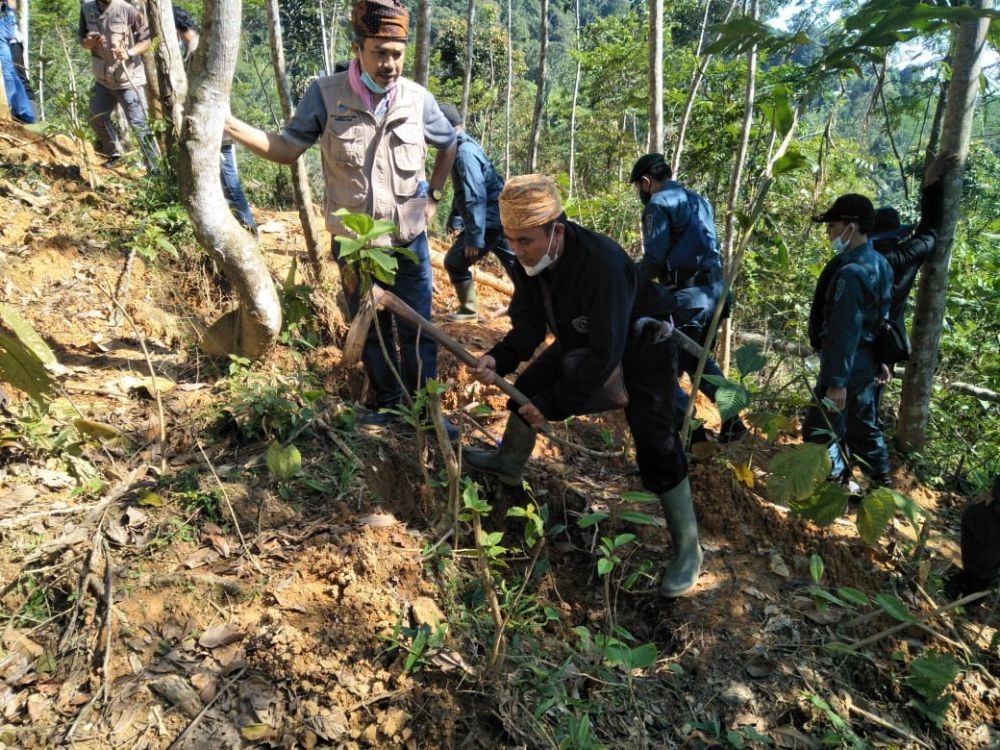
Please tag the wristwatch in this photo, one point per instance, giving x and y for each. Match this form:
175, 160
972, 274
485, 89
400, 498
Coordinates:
436, 195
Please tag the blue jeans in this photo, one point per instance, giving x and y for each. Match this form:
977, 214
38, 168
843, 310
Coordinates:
859, 435
232, 189
17, 97
457, 265
102, 104
413, 357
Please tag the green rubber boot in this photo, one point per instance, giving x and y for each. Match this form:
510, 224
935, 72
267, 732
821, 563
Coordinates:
506, 463
466, 293
684, 566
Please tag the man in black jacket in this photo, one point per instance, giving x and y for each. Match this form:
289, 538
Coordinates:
583, 287
474, 221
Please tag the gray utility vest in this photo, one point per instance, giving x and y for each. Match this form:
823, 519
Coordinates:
115, 25
374, 168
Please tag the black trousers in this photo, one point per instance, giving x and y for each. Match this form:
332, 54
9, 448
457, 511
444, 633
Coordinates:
650, 372
980, 546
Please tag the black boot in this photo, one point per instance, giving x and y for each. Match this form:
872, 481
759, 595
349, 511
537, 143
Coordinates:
466, 293
684, 566
508, 462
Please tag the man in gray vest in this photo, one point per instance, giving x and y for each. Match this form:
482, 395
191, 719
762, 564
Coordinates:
374, 127
116, 35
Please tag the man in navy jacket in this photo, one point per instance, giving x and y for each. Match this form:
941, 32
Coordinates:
475, 219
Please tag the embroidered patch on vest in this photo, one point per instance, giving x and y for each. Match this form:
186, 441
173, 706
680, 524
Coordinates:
841, 283
581, 324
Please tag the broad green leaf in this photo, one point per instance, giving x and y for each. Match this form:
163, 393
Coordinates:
731, 400
931, 674
875, 512
825, 506
284, 463
604, 566
735, 739
910, 510
472, 501
491, 539
636, 517
623, 539
591, 518
348, 246
827, 596
893, 607
816, 568
360, 224
796, 472
789, 162
749, 359
384, 260
381, 227
10, 320
642, 657
21, 367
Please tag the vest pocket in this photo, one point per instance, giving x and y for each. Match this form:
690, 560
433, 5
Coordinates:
408, 153
346, 185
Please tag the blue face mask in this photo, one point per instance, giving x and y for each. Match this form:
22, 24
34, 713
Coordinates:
371, 85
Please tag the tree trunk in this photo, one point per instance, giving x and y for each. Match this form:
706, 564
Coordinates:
572, 113
696, 80
252, 329
655, 142
169, 69
470, 19
300, 177
327, 62
536, 118
928, 315
510, 90
422, 43
725, 330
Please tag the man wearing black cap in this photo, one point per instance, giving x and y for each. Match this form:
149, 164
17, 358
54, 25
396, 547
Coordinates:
374, 127
474, 221
670, 219
857, 285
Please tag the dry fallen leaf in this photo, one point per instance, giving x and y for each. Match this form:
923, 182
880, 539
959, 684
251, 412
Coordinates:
778, 566
220, 635
744, 474
36, 704
378, 520
207, 685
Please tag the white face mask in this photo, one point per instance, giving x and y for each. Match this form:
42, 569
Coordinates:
545, 261
840, 244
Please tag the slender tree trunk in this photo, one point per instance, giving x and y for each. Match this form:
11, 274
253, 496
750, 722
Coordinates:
169, 70
935, 135
735, 181
696, 80
928, 315
572, 114
510, 90
536, 118
655, 142
470, 20
422, 43
23, 26
300, 177
334, 32
41, 80
253, 328
327, 62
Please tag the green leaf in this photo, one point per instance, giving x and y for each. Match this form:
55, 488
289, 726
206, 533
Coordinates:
796, 472
348, 246
284, 463
360, 224
893, 607
852, 595
789, 162
642, 657
23, 356
875, 512
825, 506
749, 359
591, 518
826, 596
472, 501
731, 399
735, 739
633, 516
910, 510
640, 497
931, 674
604, 566
756, 736
816, 568
622, 539
491, 539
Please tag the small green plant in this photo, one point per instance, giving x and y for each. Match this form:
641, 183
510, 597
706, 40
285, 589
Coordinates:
417, 643
298, 316
363, 255
930, 675
186, 488
269, 406
159, 232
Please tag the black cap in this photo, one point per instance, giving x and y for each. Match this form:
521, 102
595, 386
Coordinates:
886, 224
647, 164
850, 207
452, 115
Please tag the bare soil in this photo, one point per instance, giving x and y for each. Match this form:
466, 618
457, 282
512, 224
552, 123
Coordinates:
162, 589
